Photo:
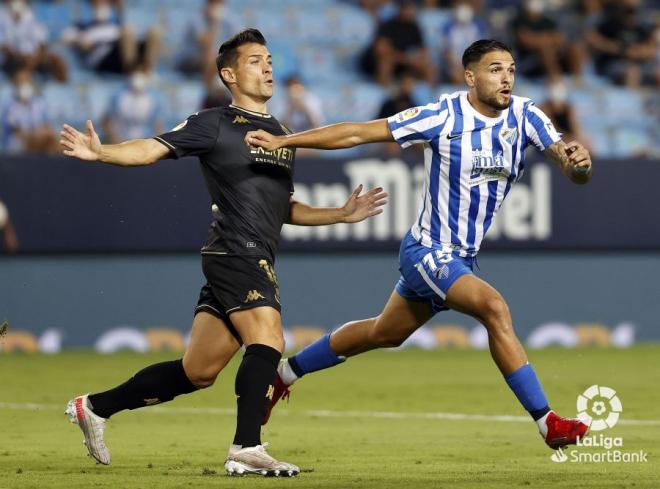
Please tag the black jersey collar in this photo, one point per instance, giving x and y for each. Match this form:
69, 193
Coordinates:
259, 114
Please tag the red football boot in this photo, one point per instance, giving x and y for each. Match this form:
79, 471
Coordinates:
281, 391
563, 431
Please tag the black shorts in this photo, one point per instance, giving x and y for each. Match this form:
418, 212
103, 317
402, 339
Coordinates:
236, 283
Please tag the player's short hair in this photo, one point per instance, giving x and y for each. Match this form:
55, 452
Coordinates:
228, 52
477, 49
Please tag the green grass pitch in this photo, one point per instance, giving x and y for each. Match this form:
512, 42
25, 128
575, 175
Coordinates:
331, 427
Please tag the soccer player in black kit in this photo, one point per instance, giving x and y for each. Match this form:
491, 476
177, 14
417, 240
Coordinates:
240, 303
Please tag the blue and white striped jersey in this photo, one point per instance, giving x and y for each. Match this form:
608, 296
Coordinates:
470, 161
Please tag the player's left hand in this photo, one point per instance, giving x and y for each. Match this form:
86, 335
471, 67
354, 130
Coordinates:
578, 157
262, 139
359, 207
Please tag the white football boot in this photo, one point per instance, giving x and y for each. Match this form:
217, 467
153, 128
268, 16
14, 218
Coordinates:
92, 427
255, 460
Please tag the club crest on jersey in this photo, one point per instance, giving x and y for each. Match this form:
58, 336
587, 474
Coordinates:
509, 134
408, 114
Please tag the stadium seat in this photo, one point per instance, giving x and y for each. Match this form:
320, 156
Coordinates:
66, 103
55, 16
99, 95
186, 98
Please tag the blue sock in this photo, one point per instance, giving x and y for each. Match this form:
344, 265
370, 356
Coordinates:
527, 388
316, 356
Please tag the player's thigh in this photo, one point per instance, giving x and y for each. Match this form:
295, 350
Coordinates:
262, 325
211, 347
399, 319
476, 297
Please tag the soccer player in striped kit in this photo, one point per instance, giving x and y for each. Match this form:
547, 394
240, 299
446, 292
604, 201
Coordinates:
474, 143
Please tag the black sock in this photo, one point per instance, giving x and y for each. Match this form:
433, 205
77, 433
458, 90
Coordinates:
538, 414
157, 383
254, 386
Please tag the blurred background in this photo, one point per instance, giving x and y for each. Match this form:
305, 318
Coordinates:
104, 257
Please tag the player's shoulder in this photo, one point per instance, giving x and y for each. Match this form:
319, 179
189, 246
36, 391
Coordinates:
521, 105
214, 113
206, 115
518, 102
453, 99
442, 102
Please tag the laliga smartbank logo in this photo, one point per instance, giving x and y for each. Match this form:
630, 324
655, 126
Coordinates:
600, 408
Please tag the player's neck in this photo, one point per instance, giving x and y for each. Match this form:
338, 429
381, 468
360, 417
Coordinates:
482, 108
248, 103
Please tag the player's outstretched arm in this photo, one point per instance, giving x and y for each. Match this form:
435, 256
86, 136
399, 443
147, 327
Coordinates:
335, 136
357, 208
573, 159
136, 152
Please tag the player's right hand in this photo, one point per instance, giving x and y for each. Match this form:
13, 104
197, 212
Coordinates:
262, 139
79, 145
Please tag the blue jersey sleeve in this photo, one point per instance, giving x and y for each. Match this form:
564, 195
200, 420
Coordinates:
417, 124
539, 128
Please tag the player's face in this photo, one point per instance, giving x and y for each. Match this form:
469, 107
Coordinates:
492, 79
254, 71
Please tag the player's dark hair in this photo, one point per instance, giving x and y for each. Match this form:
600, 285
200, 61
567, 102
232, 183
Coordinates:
477, 49
228, 52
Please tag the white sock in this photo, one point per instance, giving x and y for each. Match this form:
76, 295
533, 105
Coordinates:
286, 373
543, 427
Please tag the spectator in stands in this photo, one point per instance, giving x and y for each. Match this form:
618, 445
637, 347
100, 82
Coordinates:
381, 10
399, 45
24, 119
9, 238
542, 48
135, 111
656, 37
23, 42
202, 38
559, 110
401, 99
624, 46
461, 31
303, 110
108, 46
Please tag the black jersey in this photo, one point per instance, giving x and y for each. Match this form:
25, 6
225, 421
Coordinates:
250, 188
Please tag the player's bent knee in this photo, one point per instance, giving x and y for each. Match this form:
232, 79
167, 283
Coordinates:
496, 317
202, 378
495, 310
202, 382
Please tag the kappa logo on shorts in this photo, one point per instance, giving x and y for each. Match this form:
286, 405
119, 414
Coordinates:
271, 391
252, 296
239, 119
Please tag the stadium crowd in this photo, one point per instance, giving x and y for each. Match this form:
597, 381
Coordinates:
139, 67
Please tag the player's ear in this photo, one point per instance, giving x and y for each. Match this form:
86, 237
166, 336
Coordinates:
469, 78
228, 75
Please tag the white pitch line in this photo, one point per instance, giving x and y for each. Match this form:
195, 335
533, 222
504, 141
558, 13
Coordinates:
330, 414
